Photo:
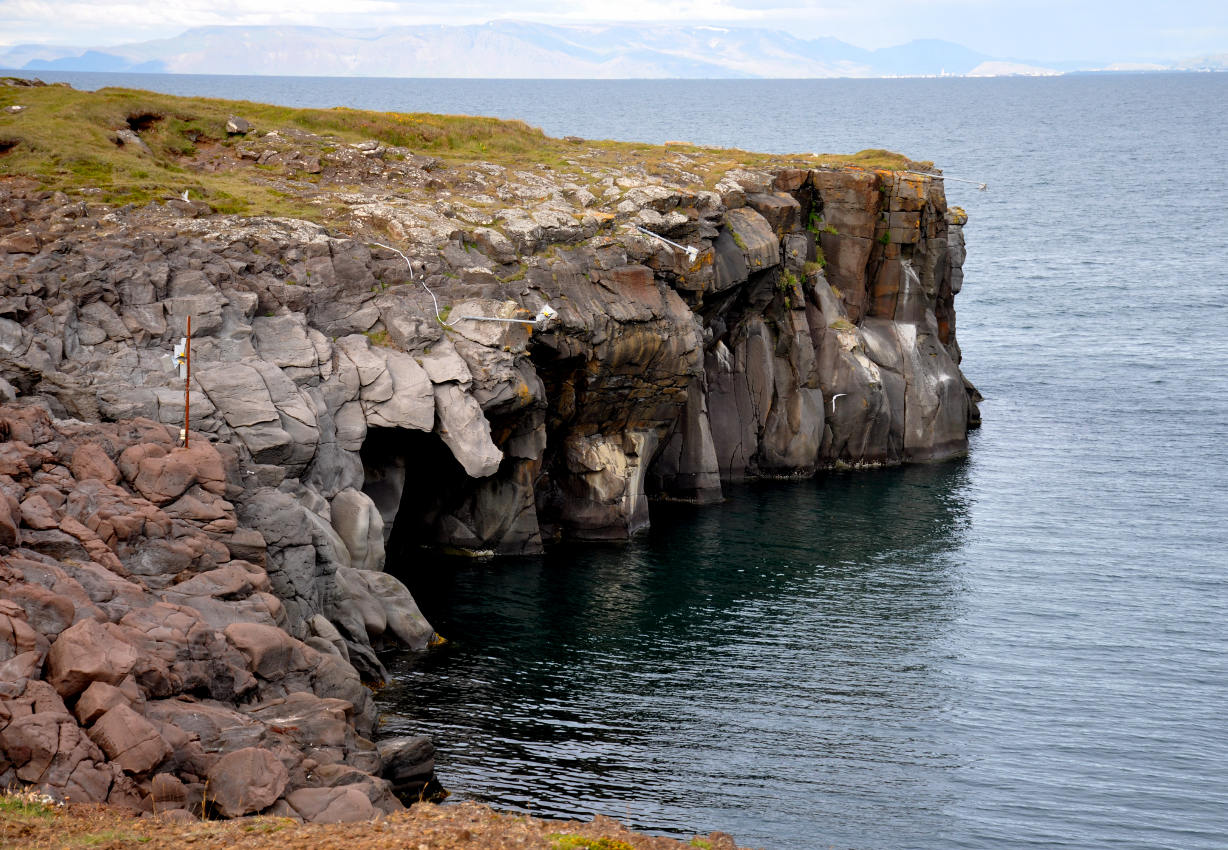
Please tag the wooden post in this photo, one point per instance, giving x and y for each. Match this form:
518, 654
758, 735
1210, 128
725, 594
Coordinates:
187, 384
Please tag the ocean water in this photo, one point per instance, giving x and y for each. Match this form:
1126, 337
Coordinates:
1027, 647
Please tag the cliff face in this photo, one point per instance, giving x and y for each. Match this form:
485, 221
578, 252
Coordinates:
341, 417
814, 327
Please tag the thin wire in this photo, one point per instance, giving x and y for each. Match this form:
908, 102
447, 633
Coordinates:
690, 252
978, 184
423, 283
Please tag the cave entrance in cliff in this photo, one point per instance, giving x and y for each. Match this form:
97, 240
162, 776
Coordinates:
412, 477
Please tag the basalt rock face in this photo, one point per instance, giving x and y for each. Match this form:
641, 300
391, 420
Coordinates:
165, 608
813, 327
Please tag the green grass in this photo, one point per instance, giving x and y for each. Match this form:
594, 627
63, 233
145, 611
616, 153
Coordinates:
110, 836
564, 841
65, 140
25, 804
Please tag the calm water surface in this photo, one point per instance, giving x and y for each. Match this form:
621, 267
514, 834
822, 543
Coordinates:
1025, 648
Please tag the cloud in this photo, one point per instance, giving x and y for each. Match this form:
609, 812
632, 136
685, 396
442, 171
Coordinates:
1037, 29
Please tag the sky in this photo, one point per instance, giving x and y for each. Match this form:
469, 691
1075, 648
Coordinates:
1052, 30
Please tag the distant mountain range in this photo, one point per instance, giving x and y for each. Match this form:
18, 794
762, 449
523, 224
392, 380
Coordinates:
505, 49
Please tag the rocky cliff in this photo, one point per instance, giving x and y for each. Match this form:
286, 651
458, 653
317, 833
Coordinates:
167, 608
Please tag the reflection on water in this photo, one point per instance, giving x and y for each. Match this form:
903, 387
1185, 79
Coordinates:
774, 651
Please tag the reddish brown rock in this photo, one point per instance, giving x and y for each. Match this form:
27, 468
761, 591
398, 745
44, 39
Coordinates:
15, 669
49, 749
98, 550
131, 457
207, 464
9, 535
47, 613
98, 699
270, 652
245, 781
168, 792
345, 804
91, 461
88, 652
16, 635
129, 739
164, 479
38, 514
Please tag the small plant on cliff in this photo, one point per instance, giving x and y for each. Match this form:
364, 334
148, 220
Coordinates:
444, 312
842, 325
379, 338
815, 266
738, 240
884, 238
787, 281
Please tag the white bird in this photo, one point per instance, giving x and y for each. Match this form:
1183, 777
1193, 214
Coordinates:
185, 194
833, 402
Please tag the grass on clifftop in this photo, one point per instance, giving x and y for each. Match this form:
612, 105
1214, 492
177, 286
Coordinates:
65, 139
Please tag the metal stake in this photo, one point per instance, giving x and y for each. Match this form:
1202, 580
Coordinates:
187, 385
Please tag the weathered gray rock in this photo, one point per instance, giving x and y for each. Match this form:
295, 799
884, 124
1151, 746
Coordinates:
358, 522
464, 429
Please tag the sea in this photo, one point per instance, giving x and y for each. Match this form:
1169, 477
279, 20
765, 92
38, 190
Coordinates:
1026, 647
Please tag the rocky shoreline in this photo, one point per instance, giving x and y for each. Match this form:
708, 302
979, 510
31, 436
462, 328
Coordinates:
191, 626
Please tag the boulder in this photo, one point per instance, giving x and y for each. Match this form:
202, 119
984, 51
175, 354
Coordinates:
129, 739
464, 429
409, 764
165, 478
361, 528
91, 461
344, 804
9, 535
245, 781
89, 652
97, 700
270, 652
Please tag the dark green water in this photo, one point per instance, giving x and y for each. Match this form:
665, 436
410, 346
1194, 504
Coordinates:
760, 647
